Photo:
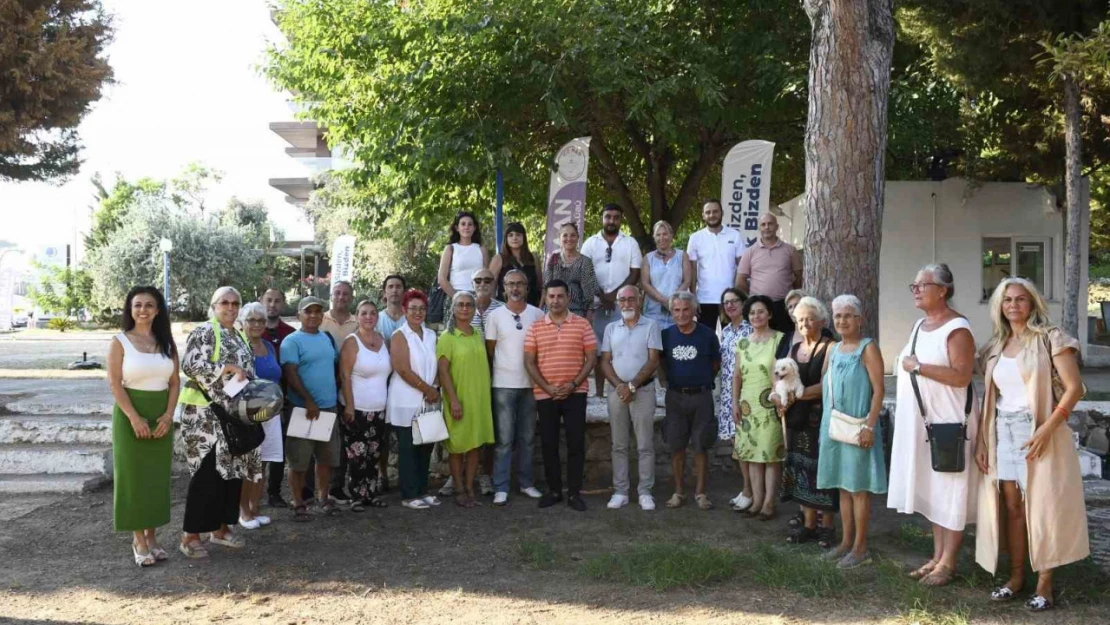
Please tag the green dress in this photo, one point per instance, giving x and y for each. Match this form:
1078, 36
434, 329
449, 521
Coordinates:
141, 467
759, 435
470, 373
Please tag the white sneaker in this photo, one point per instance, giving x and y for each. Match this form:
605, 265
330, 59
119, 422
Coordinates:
647, 502
500, 498
532, 492
448, 488
415, 504
264, 520
741, 503
253, 524
617, 501
432, 500
485, 485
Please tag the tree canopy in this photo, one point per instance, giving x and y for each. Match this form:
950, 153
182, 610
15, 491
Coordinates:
53, 64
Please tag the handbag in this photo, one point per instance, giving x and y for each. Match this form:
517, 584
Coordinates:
239, 437
946, 440
437, 305
429, 427
1058, 389
843, 428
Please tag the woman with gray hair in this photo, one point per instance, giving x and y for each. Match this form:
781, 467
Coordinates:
215, 354
252, 320
934, 388
852, 386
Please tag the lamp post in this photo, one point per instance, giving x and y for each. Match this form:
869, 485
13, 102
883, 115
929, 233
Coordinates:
166, 246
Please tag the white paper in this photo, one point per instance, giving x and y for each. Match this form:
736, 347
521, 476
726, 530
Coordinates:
317, 430
233, 386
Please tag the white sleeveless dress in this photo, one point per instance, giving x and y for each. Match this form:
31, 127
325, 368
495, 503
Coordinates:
947, 499
465, 260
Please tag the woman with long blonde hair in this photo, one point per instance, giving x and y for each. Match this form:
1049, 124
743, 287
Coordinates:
1024, 450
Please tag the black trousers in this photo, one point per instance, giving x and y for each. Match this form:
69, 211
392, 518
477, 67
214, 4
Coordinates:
708, 314
211, 501
780, 319
571, 413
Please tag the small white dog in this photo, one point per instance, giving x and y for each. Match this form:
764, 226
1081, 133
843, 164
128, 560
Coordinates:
788, 382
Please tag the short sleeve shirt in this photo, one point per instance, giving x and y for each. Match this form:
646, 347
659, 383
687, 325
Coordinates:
770, 269
612, 269
715, 255
481, 320
338, 331
689, 359
508, 355
315, 356
387, 325
630, 346
560, 350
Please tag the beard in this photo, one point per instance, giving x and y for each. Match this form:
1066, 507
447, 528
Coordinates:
611, 229
713, 223
627, 315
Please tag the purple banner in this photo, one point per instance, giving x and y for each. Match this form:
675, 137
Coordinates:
566, 195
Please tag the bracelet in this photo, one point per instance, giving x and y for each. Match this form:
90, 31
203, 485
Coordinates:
868, 428
1067, 413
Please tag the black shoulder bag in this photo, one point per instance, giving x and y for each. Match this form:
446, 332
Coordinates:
946, 440
240, 437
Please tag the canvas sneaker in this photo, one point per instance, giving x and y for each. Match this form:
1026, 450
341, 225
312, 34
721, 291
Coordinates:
500, 498
617, 501
532, 492
647, 502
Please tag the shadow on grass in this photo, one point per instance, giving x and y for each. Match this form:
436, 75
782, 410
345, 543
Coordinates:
662, 566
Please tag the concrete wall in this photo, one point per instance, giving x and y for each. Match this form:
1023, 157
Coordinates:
925, 222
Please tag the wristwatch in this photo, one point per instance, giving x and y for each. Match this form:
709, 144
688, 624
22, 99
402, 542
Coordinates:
916, 369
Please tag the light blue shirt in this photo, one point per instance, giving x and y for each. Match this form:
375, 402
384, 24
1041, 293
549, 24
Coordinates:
629, 346
315, 356
386, 326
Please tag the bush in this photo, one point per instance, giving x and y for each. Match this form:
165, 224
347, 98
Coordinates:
61, 324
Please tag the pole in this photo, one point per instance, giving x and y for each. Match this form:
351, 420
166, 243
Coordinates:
166, 277
498, 211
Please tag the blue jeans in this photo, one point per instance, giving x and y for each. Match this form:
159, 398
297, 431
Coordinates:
514, 409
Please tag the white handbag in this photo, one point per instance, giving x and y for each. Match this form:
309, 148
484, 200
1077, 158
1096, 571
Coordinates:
429, 427
843, 428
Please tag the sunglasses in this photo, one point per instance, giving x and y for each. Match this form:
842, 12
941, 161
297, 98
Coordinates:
609, 254
519, 325
483, 280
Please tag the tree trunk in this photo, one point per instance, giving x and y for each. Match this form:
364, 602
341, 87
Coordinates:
846, 135
1076, 211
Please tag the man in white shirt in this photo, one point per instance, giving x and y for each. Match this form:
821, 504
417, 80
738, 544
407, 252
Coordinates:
713, 252
617, 259
514, 403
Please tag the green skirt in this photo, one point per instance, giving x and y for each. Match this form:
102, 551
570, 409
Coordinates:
141, 467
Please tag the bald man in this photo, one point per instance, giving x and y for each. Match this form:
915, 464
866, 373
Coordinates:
771, 267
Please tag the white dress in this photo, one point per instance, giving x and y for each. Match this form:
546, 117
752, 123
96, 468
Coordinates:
947, 499
465, 260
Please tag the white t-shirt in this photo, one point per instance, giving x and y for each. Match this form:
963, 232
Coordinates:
716, 256
508, 357
612, 269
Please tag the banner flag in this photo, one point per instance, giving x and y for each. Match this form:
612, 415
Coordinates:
746, 187
566, 195
343, 259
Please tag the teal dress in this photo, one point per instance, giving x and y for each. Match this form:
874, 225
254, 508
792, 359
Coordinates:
841, 465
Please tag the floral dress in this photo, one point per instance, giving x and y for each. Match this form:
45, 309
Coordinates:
730, 336
803, 442
200, 427
579, 276
759, 437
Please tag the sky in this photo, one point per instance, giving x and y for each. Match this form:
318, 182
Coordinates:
188, 90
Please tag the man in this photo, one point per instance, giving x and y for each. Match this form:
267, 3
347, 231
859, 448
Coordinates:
691, 357
616, 258
338, 320
276, 331
630, 352
483, 284
308, 358
391, 317
713, 251
559, 353
514, 405
771, 267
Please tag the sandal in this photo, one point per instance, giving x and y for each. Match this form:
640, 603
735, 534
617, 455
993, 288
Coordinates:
768, 516
924, 570
159, 554
356, 506
798, 520
801, 535
1039, 603
1004, 593
703, 501
940, 576
851, 561
300, 513
462, 501
375, 502
330, 509
193, 550
142, 559
676, 501
229, 540
826, 537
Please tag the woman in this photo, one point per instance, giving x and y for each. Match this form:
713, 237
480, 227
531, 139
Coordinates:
733, 328
791, 301
252, 318
576, 270
854, 386
215, 353
803, 421
941, 355
412, 352
142, 374
1024, 447
465, 377
667, 272
759, 441
463, 255
364, 368
516, 255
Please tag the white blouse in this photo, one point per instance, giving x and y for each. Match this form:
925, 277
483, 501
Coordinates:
1012, 395
143, 371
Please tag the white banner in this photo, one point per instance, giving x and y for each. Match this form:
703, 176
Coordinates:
343, 259
566, 194
7, 297
746, 187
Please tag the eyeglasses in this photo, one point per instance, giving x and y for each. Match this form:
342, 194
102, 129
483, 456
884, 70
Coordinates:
627, 300
256, 321
519, 325
483, 280
512, 283
417, 310
920, 286
734, 302
609, 254
464, 305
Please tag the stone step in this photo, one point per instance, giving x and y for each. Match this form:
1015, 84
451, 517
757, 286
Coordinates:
55, 404
58, 429
51, 483
1097, 492
55, 459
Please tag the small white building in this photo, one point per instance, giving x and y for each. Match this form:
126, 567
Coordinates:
984, 231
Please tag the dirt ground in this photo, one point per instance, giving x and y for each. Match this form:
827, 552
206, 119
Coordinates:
64, 564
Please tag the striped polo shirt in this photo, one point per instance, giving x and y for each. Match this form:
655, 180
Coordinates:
560, 350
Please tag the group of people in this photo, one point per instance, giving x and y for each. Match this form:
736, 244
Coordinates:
715, 317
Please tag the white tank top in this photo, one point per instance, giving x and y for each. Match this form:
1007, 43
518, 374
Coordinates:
142, 371
1011, 387
465, 260
369, 377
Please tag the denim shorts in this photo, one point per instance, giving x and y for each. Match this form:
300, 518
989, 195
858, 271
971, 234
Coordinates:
1013, 430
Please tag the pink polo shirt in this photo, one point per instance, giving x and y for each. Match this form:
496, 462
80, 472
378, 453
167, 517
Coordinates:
770, 270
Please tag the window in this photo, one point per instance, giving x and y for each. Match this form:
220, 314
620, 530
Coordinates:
1027, 257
